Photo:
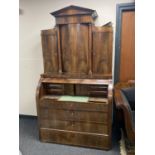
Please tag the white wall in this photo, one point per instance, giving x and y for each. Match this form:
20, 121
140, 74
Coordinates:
35, 17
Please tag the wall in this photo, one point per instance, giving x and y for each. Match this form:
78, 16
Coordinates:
34, 16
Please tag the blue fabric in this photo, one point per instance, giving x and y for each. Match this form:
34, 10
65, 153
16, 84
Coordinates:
132, 112
133, 119
130, 95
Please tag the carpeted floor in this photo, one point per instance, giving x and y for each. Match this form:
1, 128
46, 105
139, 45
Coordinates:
30, 144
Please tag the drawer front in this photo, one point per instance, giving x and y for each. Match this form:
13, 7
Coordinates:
75, 126
75, 138
67, 115
95, 106
57, 89
98, 90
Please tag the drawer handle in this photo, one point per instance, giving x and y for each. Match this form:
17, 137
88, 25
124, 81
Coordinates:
72, 124
72, 113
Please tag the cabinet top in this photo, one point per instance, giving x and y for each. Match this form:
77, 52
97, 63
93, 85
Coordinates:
74, 14
74, 10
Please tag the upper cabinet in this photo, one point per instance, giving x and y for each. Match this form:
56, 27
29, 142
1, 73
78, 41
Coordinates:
77, 48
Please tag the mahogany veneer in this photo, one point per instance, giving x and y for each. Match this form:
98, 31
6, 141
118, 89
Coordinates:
77, 62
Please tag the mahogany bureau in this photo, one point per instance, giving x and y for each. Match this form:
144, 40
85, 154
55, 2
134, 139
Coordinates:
74, 94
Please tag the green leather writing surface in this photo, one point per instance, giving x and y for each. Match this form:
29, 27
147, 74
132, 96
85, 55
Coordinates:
74, 98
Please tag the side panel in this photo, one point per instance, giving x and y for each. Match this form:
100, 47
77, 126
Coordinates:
50, 51
102, 50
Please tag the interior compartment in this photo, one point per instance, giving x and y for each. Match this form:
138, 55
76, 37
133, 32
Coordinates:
73, 92
58, 89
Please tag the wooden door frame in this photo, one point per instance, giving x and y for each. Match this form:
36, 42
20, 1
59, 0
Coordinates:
120, 8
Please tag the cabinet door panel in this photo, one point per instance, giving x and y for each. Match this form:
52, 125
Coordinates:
50, 51
102, 50
74, 48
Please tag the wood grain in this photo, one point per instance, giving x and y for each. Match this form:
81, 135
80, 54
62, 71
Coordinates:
75, 138
74, 43
102, 50
77, 81
127, 60
75, 126
78, 62
50, 51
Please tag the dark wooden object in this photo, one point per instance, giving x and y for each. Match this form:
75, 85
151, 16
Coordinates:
124, 114
77, 62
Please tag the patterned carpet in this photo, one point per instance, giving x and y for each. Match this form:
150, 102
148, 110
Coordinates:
30, 144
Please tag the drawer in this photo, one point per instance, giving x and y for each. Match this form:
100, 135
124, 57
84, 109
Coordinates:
98, 87
53, 86
100, 141
57, 89
68, 115
74, 126
47, 102
98, 90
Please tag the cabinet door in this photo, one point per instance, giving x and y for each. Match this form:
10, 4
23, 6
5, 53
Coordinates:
50, 51
74, 48
102, 50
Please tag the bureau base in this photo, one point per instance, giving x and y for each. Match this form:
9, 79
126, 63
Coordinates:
99, 141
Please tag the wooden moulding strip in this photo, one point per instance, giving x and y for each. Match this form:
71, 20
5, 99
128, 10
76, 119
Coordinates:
77, 81
85, 133
59, 50
90, 50
76, 76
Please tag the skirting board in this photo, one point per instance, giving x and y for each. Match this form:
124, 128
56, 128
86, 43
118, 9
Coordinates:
27, 116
